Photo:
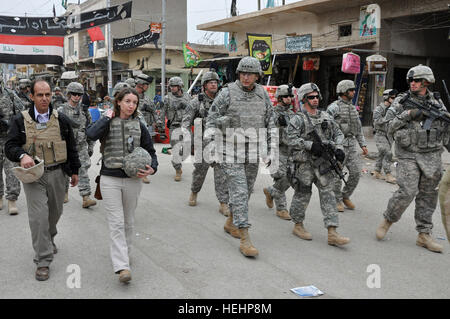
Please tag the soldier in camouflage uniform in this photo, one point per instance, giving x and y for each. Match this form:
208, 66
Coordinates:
24, 92
10, 105
58, 99
384, 145
282, 114
146, 106
79, 120
242, 105
307, 164
198, 109
347, 117
175, 104
418, 148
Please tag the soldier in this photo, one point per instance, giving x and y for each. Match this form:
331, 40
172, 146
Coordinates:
79, 119
10, 105
199, 109
58, 99
418, 147
283, 113
308, 163
146, 106
131, 82
24, 92
347, 117
175, 103
384, 145
242, 105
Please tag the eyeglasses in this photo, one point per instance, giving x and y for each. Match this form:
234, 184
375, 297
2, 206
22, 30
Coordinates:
76, 94
415, 80
312, 97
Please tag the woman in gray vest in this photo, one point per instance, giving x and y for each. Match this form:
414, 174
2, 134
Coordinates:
120, 133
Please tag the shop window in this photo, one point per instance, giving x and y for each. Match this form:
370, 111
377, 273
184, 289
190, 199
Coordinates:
168, 61
345, 30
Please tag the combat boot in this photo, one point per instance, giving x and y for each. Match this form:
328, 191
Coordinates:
283, 214
425, 240
348, 203
230, 228
145, 180
334, 239
178, 173
12, 208
87, 202
340, 207
383, 229
301, 232
269, 198
246, 247
66, 197
224, 209
390, 179
193, 199
377, 175
124, 276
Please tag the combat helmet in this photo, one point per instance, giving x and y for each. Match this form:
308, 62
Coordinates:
23, 83
249, 64
131, 82
283, 90
32, 174
176, 81
144, 79
119, 87
306, 89
388, 93
56, 88
75, 87
420, 72
210, 76
136, 160
344, 86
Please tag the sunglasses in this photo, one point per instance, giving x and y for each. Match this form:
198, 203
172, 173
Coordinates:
312, 97
415, 80
76, 94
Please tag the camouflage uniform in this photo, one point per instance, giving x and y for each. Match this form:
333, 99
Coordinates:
304, 166
419, 168
26, 101
58, 100
174, 108
148, 110
200, 110
10, 104
80, 119
281, 182
384, 159
347, 117
244, 109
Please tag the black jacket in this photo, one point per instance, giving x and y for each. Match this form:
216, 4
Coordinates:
16, 139
100, 129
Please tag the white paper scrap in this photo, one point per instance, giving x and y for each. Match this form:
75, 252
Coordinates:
307, 291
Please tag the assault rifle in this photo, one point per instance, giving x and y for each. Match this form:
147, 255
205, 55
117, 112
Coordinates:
431, 111
327, 153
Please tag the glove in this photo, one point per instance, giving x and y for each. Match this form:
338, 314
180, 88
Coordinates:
340, 155
168, 123
282, 121
316, 149
3, 125
201, 97
181, 106
90, 152
416, 114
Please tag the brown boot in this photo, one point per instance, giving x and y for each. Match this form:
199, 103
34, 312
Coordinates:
390, 179
178, 173
425, 240
246, 247
335, 239
377, 174
224, 210
383, 229
66, 197
193, 199
87, 202
348, 203
42, 273
340, 207
145, 180
283, 214
301, 232
12, 208
124, 276
230, 228
269, 198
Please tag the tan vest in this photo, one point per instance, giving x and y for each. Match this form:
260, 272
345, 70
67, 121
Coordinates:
44, 139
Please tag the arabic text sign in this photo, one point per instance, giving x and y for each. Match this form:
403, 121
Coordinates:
135, 40
301, 43
63, 25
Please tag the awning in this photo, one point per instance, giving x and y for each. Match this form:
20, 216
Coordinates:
223, 60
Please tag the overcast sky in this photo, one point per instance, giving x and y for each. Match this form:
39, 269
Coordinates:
198, 12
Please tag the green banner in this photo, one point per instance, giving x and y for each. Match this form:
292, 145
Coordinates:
191, 57
260, 47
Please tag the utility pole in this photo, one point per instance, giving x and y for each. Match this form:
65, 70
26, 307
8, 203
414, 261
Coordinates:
163, 50
108, 30
259, 5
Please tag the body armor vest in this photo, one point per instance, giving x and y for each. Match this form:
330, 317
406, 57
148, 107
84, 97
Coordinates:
286, 112
44, 139
175, 110
77, 115
123, 137
348, 119
381, 128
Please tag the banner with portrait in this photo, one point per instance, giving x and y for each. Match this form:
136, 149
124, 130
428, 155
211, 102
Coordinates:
260, 47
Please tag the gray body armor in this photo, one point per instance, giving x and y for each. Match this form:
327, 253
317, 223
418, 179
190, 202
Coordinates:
79, 120
123, 137
286, 112
348, 119
175, 110
381, 109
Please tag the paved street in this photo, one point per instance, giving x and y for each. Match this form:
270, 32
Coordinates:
182, 252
